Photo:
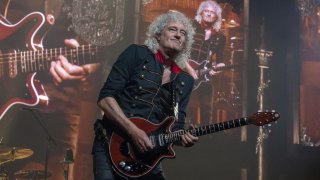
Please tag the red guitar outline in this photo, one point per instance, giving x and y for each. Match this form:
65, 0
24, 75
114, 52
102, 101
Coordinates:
33, 41
36, 58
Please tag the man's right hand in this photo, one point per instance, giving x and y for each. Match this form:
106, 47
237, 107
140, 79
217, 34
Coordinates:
140, 140
191, 71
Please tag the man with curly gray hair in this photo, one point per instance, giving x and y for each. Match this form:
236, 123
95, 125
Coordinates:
157, 27
207, 51
145, 82
209, 14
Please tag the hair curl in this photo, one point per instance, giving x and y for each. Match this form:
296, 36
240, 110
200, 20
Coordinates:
216, 7
157, 26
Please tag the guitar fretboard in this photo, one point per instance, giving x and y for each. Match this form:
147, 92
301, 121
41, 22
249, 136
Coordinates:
226, 67
204, 130
32, 61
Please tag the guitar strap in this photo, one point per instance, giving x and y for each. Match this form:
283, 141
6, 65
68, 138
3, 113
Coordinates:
53, 7
5, 11
101, 132
175, 102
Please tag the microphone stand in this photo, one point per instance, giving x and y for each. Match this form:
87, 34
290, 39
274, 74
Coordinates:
66, 172
66, 162
264, 57
50, 138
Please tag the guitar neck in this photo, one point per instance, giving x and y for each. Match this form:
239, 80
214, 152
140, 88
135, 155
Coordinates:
221, 68
208, 129
33, 61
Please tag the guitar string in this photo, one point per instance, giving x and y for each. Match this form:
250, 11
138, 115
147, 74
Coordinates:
37, 56
203, 130
42, 54
207, 129
49, 51
42, 58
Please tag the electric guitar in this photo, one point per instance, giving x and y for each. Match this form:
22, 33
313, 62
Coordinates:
203, 71
28, 90
127, 160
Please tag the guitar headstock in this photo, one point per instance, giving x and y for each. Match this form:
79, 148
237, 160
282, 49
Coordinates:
263, 118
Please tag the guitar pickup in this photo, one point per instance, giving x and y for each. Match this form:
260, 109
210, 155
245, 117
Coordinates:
13, 69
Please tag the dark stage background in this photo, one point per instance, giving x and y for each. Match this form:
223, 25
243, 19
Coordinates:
291, 150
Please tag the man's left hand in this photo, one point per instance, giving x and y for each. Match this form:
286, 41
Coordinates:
212, 72
188, 140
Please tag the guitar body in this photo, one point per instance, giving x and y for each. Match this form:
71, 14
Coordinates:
14, 93
202, 77
128, 161
28, 34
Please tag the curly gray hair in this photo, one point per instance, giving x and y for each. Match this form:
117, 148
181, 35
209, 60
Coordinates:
160, 23
216, 7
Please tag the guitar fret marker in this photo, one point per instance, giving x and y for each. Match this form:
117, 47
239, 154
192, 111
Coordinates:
77, 55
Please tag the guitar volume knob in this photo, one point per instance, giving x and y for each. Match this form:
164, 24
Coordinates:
127, 168
122, 164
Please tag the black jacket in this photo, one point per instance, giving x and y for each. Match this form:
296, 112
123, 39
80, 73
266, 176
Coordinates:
205, 49
135, 83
